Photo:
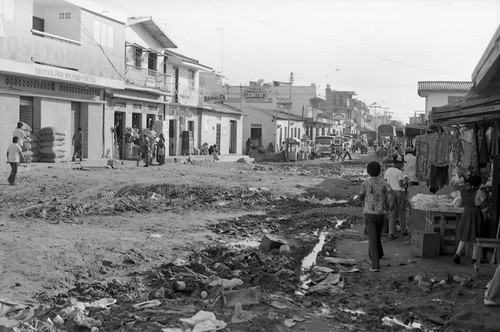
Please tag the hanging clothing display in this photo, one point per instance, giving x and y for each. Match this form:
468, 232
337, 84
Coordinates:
439, 148
492, 138
484, 157
469, 157
422, 152
438, 178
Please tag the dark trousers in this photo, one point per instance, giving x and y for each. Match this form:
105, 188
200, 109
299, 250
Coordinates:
78, 152
346, 153
13, 173
373, 225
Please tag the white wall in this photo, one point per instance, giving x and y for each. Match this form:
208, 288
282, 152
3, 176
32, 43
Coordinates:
208, 132
439, 99
9, 116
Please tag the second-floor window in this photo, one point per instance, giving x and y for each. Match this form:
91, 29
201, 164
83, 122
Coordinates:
137, 57
104, 34
38, 24
191, 79
152, 61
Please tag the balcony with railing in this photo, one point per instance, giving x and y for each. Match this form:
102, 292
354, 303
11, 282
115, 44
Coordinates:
147, 78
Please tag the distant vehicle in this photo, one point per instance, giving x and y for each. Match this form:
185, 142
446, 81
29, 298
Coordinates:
386, 130
324, 143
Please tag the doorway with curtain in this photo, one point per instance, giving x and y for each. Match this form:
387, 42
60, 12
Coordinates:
172, 126
232, 136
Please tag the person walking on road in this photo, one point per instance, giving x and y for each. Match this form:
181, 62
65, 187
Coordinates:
13, 158
375, 192
346, 153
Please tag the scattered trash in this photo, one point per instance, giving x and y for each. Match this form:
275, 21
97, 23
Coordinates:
204, 321
341, 261
225, 283
243, 296
331, 284
240, 315
147, 304
391, 321
269, 243
100, 304
289, 322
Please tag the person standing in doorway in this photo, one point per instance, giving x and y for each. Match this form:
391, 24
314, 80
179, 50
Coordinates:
249, 145
13, 158
375, 192
77, 142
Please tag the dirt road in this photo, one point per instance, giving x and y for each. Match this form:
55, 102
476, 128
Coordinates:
132, 234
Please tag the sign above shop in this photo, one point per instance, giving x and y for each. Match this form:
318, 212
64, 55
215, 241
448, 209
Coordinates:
255, 95
214, 99
181, 111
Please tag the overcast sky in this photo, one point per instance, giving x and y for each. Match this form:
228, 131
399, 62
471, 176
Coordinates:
379, 49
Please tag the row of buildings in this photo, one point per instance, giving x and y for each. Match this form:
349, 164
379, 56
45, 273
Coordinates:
67, 66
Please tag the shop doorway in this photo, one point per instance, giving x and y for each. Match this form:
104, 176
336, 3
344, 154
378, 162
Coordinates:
76, 121
232, 136
150, 120
172, 126
256, 136
217, 137
26, 111
137, 121
118, 134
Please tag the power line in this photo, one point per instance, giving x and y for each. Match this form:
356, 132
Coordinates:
91, 37
326, 41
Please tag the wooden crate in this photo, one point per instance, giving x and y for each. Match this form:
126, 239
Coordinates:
425, 243
444, 223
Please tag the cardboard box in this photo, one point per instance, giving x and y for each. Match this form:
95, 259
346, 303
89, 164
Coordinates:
425, 243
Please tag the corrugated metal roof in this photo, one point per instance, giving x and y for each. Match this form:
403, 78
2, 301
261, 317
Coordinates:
443, 86
221, 108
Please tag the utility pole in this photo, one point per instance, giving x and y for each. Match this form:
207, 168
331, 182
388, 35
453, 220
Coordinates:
289, 111
221, 49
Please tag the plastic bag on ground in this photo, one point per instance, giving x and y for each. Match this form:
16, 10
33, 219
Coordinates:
204, 321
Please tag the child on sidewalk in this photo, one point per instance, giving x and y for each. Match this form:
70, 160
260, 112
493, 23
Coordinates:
374, 192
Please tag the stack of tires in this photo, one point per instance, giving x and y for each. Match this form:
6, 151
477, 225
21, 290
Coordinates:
52, 143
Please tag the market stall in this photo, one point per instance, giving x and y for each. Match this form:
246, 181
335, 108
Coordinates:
466, 139
441, 216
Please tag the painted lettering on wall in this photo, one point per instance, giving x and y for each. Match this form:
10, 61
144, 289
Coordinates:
64, 75
254, 94
176, 111
214, 99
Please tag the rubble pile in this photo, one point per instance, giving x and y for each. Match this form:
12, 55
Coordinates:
142, 198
